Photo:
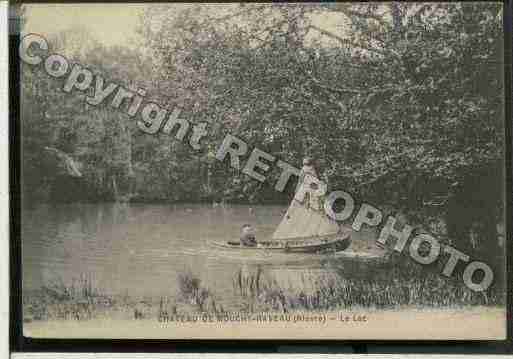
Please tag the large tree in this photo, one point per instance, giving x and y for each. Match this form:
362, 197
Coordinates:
400, 102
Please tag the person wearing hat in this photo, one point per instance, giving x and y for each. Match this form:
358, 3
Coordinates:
247, 237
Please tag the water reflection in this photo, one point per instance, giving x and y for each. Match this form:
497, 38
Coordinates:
140, 248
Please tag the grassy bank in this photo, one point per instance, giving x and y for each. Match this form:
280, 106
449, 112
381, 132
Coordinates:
352, 284
385, 285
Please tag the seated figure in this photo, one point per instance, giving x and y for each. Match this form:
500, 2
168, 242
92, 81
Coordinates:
247, 237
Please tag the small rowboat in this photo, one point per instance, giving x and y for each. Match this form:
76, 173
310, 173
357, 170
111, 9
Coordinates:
338, 242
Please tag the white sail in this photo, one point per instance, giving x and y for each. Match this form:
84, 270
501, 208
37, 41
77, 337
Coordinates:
305, 218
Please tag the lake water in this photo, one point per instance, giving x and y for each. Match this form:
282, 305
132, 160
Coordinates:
140, 249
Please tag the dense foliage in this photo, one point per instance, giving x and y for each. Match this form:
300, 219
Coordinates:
398, 103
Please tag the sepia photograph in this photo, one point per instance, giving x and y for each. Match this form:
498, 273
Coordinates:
262, 171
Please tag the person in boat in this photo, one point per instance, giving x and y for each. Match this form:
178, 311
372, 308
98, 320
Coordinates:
247, 237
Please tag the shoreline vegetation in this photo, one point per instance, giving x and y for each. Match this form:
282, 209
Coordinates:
412, 131
374, 286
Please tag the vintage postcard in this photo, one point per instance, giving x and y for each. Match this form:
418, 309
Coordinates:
262, 171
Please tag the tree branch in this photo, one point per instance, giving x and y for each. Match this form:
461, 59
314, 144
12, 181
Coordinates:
350, 43
331, 88
349, 13
231, 16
